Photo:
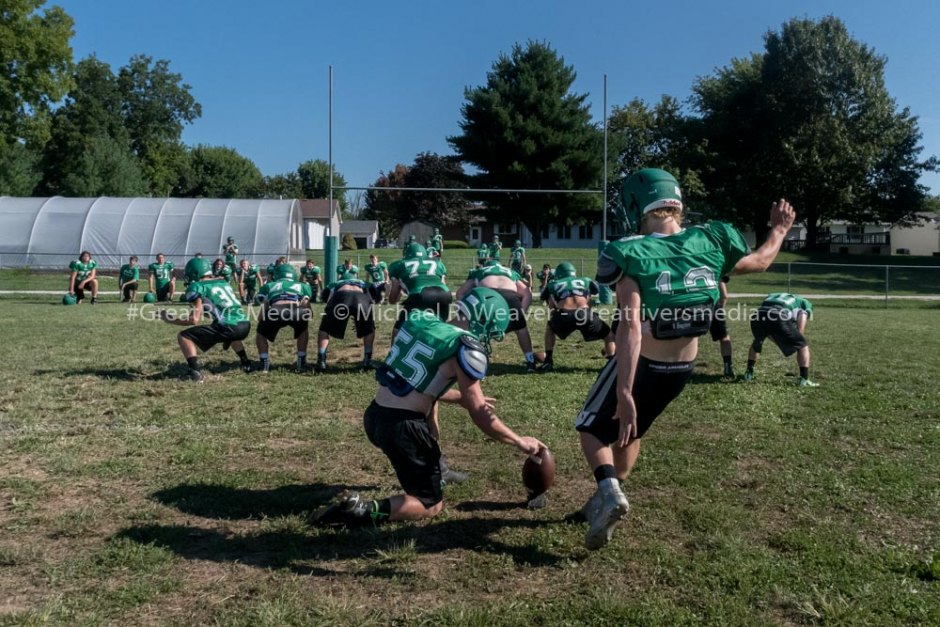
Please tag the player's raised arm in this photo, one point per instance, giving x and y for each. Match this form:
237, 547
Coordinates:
782, 216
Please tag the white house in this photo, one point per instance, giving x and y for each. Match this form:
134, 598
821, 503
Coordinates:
320, 220
365, 232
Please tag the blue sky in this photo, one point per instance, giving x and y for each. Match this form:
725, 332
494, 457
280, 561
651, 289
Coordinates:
260, 69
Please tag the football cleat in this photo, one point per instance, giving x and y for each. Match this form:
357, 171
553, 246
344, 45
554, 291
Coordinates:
729, 371
590, 508
612, 508
193, 375
247, 367
749, 375
346, 509
547, 367
806, 383
530, 367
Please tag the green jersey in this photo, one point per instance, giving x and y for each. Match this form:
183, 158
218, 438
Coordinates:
223, 273
518, 254
218, 300
231, 254
437, 242
129, 273
546, 276
342, 269
571, 286
311, 275
495, 248
674, 271
250, 276
479, 274
791, 302
162, 273
417, 274
376, 272
422, 345
285, 290
82, 270
483, 253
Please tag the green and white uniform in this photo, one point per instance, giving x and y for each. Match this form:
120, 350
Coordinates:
677, 274
437, 242
790, 302
483, 253
129, 273
251, 277
218, 300
416, 275
231, 255
422, 345
561, 289
311, 274
516, 258
82, 270
375, 273
478, 274
162, 273
284, 290
224, 272
495, 248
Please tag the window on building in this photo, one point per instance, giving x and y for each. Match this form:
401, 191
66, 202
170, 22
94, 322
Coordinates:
585, 231
564, 231
545, 230
855, 229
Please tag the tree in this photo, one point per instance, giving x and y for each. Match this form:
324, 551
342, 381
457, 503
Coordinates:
19, 170
283, 186
35, 69
220, 172
431, 170
810, 119
105, 167
156, 104
314, 178
384, 206
525, 129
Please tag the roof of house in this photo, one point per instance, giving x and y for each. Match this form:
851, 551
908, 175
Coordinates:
357, 227
318, 208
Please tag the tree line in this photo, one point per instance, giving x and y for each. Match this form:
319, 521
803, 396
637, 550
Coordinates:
808, 118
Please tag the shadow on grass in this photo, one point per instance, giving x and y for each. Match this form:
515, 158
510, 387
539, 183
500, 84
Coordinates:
224, 502
502, 369
295, 550
116, 374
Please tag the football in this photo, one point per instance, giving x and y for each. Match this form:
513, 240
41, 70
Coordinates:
538, 473
539, 357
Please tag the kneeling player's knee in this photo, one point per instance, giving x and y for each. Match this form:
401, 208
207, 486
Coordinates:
432, 509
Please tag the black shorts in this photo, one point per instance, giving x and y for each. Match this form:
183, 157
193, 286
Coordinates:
434, 299
208, 335
406, 440
129, 287
655, 385
163, 293
80, 291
517, 320
343, 306
719, 326
315, 292
277, 317
564, 322
781, 326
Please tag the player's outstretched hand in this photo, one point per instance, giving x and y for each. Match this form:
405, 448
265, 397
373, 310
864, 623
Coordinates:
782, 214
529, 445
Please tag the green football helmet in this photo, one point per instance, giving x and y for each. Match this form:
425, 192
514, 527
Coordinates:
150, 297
196, 268
69, 299
565, 270
414, 250
518, 243
487, 312
285, 271
644, 191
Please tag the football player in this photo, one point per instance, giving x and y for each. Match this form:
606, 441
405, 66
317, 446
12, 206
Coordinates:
569, 298
517, 260
666, 280
286, 303
782, 317
230, 250
719, 327
426, 359
129, 278
516, 293
377, 276
221, 270
249, 280
424, 282
83, 275
496, 247
161, 279
214, 297
347, 298
483, 254
346, 267
269, 271
311, 274
545, 276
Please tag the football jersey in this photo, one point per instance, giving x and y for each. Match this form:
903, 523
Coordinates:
437, 241
571, 286
231, 254
417, 274
517, 255
224, 272
342, 269
218, 300
310, 274
129, 273
791, 302
162, 273
479, 274
285, 290
82, 270
376, 273
541, 276
250, 276
674, 271
483, 252
494, 249
422, 345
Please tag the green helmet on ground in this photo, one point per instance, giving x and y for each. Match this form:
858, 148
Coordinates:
487, 312
285, 271
644, 191
150, 297
414, 250
196, 268
69, 299
565, 270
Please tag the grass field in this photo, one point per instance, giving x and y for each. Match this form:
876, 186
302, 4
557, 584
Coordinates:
801, 273
129, 497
